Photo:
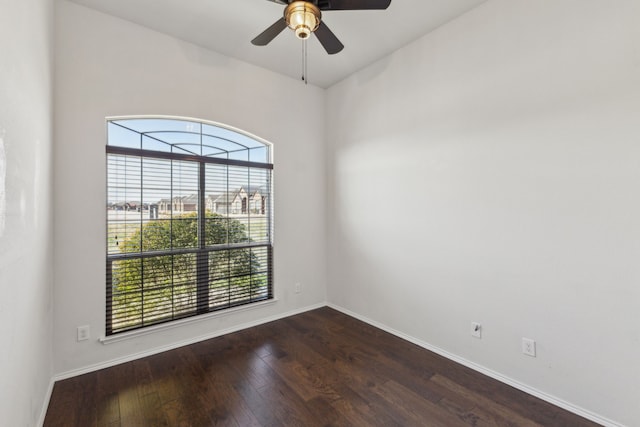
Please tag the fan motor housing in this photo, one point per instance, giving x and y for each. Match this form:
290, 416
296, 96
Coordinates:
303, 17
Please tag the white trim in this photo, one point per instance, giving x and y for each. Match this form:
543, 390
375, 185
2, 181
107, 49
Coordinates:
176, 323
485, 371
45, 404
151, 352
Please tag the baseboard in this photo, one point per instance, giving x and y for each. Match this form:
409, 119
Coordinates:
45, 404
172, 346
485, 371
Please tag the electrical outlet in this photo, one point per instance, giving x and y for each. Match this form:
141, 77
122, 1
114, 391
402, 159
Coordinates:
476, 330
84, 332
529, 347
298, 288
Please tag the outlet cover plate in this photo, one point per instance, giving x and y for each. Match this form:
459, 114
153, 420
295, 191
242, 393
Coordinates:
84, 332
529, 347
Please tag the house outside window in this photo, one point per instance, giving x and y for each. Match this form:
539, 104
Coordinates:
183, 237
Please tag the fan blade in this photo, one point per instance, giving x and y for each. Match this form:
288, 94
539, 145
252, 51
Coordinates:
279, 1
270, 33
353, 4
328, 40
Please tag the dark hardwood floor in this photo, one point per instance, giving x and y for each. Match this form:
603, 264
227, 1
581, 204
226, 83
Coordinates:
320, 368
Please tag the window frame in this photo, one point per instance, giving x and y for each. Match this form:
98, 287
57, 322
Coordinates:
202, 251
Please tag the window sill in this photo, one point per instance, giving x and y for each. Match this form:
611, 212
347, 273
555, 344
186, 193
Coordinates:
175, 324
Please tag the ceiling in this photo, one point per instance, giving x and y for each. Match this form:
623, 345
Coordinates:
228, 26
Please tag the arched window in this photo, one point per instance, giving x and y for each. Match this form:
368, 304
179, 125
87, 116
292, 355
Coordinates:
184, 250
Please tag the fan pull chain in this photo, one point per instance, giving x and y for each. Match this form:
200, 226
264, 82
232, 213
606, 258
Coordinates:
305, 77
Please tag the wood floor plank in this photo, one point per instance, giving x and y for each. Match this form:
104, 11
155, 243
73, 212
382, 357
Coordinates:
108, 410
417, 411
356, 410
319, 368
496, 411
62, 406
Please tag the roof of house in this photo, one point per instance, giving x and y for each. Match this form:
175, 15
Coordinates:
192, 198
252, 189
226, 197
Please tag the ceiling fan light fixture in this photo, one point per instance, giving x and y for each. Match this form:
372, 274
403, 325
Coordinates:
303, 18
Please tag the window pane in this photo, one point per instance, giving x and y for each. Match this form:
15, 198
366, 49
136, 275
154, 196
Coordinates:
157, 287
122, 137
127, 294
184, 224
124, 211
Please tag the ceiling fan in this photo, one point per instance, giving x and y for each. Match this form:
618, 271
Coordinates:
305, 17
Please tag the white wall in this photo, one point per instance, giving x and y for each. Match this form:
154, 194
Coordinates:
25, 209
105, 67
490, 172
